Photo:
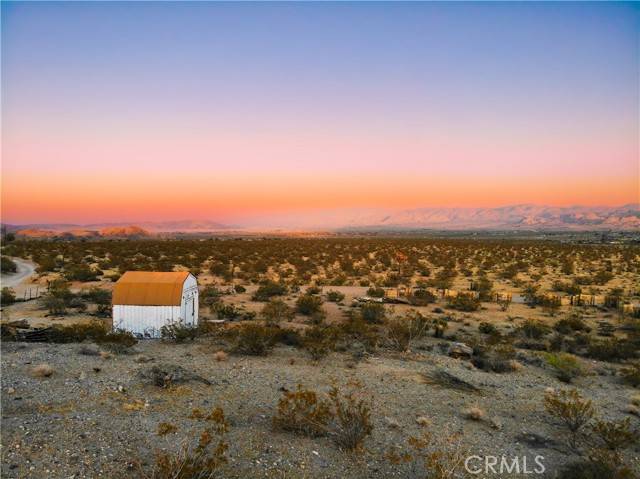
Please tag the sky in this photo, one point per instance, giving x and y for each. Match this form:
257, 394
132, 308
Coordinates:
229, 111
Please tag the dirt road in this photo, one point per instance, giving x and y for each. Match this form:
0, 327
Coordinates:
25, 269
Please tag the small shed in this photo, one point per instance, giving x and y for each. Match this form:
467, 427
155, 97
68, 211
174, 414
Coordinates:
145, 301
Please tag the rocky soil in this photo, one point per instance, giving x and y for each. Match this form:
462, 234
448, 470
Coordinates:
98, 416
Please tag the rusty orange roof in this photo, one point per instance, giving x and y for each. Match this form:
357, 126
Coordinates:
149, 288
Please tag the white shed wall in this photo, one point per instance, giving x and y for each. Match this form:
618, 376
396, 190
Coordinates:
146, 321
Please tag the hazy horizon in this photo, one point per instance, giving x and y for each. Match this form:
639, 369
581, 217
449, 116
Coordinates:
236, 111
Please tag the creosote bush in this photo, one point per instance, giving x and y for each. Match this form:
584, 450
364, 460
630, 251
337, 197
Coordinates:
346, 418
572, 410
254, 339
178, 333
631, 375
200, 462
276, 311
566, 366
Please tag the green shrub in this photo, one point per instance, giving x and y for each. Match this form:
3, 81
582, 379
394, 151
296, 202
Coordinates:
401, 332
421, 297
255, 339
571, 324
335, 296
7, 265
631, 375
268, 290
464, 302
531, 329
81, 272
612, 349
178, 333
615, 435
318, 341
308, 304
8, 296
276, 311
499, 358
572, 410
375, 292
372, 312
566, 366
487, 328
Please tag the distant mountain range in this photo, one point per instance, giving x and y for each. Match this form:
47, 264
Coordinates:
127, 230
517, 217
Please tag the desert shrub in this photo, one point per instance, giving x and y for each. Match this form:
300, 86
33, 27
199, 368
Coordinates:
464, 302
483, 286
572, 410
335, 296
178, 333
346, 418
8, 296
318, 341
531, 329
566, 366
550, 304
255, 339
118, 342
570, 324
487, 328
289, 337
238, 288
375, 292
55, 305
268, 290
101, 298
314, 290
308, 304
355, 329
439, 325
303, 411
615, 435
401, 332
504, 303
432, 458
612, 349
81, 272
598, 467
499, 358
351, 419
7, 265
76, 333
276, 311
201, 462
227, 311
372, 312
631, 375
421, 297
165, 428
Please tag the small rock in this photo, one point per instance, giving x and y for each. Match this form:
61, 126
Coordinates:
460, 350
496, 423
11, 390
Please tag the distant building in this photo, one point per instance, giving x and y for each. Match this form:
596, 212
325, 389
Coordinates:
145, 301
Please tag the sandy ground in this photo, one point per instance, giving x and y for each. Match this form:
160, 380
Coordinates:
24, 270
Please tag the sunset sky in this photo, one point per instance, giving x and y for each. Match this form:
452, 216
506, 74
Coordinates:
229, 111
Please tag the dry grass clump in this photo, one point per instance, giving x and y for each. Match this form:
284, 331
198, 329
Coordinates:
200, 462
473, 413
430, 457
346, 418
631, 375
220, 356
105, 355
42, 371
165, 428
